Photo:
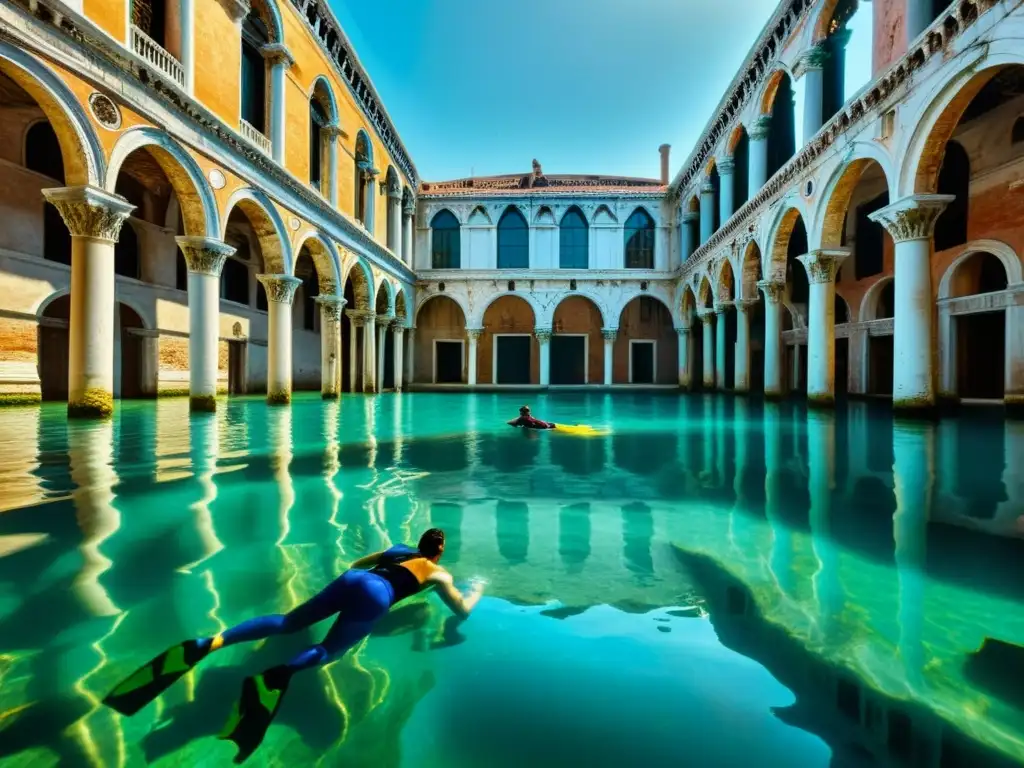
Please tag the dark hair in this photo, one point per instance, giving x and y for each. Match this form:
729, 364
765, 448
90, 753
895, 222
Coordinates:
431, 542
524, 408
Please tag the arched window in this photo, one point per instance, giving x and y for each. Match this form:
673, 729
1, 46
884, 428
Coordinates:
513, 241
42, 151
639, 240
254, 72
317, 122
445, 245
364, 164
954, 179
573, 243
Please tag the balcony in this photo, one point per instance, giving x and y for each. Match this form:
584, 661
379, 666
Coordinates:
152, 52
255, 137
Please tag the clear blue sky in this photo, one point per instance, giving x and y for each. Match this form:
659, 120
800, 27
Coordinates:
584, 86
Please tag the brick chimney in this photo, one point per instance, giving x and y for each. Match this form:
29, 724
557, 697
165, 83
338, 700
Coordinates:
664, 149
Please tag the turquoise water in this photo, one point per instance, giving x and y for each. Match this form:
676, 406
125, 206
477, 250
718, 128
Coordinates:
715, 582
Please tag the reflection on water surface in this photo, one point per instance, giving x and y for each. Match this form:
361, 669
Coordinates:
800, 586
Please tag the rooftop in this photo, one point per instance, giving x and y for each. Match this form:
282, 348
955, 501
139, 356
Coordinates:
537, 182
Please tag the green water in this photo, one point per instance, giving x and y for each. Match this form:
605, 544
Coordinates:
716, 582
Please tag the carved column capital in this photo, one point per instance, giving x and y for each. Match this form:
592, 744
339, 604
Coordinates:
278, 53
773, 290
761, 129
706, 315
90, 211
331, 306
691, 217
707, 188
683, 332
357, 317
823, 265
912, 218
813, 58
745, 305
474, 333
203, 255
726, 166
609, 334
280, 288
237, 9
399, 330
408, 210
543, 335
384, 320
721, 307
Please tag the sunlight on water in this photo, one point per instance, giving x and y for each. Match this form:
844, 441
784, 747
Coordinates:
714, 582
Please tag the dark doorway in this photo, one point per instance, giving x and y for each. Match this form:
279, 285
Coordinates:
513, 359
448, 361
842, 359
389, 360
981, 355
880, 353
53, 349
237, 352
131, 353
641, 359
568, 359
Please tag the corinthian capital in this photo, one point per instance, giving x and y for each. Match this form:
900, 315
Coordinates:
609, 334
762, 127
203, 255
280, 288
912, 218
90, 212
822, 266
543, 335
773, 290
331, 306
278, 53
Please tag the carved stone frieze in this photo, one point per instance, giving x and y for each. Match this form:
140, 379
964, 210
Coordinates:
90, 212
280, 288
204, 256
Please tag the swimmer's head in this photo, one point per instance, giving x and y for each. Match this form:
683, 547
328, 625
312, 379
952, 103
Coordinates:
524, 410
431, 544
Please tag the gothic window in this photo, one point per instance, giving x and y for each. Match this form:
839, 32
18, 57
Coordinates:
954, 179
317, 122
254, 71
639, 240
445, 244
362, 185
573, 245
513, 241
42, 152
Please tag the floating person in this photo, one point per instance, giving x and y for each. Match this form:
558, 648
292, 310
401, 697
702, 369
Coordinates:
526, 421
360, 596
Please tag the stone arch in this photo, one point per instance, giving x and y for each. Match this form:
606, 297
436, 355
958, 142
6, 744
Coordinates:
547, 316
750, 271
734, 138
771, 87
361, 275
276, 25
361, 133
322, 85
198, 205
946, 103
820, 29
147, 318
645, 317
777, 242
694, 205
80, 147
426, 298
402, 306
325, 259
869, 304
1006, 255
479, 217
384, 303
839, 298
827, 227
705, 296
268, 226
687, 306
604, 215
544, 215
725, 283
478, 317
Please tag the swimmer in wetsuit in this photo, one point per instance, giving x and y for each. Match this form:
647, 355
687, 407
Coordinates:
360, 596
526, 421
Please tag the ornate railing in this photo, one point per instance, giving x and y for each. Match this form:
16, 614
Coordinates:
154, 53
251, 134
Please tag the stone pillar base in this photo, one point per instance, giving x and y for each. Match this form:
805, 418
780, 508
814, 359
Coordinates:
821, 400
202, 403
92, 404
279, 398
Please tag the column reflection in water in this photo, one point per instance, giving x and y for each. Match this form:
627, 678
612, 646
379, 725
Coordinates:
332, 465
448, 517
913, 478
637, 532
91, 453
204, 438
574, 536
279, 434
19, 459
1011, 511
740, 529
513, 531
721, 450
781, 560
827, 586
172, 436
707, 425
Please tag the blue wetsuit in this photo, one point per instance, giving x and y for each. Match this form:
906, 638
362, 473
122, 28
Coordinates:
359, 598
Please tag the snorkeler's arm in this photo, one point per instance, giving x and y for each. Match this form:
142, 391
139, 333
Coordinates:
460, 604
364, 563
513, 423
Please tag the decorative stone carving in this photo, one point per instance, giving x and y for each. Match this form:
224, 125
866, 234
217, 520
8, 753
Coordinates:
217, 180
815, 58
609, 334
278, 53
90, 212
105, 111
357, 317
721, 307
726, 166
691, 217
236, 330
745, 305
237, 9
204, 256
683, 332
474, 333
331, 307
912, 218
543, 335
280, 288
384, 320
706, 315
822, 266
761, 129
707, 188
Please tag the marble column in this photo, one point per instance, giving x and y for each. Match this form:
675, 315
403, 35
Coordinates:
685, 357
707, 211
407, 234
826, 583
394, 233
411, 334
741, 375
822, 267
370, 353
281, 60
330, 345
187, 15
473, 334
609, 335
333, 133
707, 319
814, 91
544, 343
357, 321
1013, 387
910, 222
918, 19
280, 294
205, 259
383, 321
773, 379
726, 170
94, 218
399, 352
758, 173
720, 340
688, 235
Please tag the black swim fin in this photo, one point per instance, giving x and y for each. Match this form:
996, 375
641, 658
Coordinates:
155, 677
255, 710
